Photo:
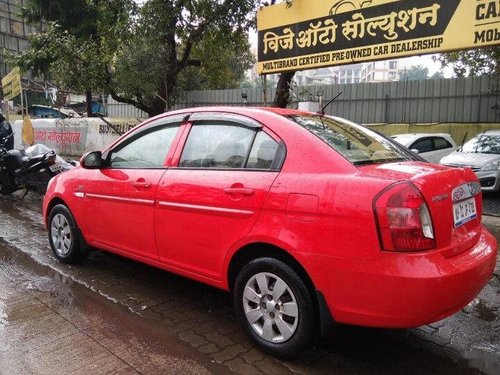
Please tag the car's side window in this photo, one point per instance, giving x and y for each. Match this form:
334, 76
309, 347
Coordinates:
146, 150
212, 145
441, 143
423, 145
263, 152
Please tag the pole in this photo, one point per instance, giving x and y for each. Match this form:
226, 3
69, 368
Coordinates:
264, 89
22, 102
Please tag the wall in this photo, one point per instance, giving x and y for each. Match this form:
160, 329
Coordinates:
459, 100
73, 137
464, 100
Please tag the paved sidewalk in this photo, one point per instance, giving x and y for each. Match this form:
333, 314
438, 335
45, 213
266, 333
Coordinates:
47, 326
493, 224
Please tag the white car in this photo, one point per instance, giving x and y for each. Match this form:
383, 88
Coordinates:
482, 155
432, 147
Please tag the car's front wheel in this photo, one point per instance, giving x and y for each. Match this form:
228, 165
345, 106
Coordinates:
275, 306
64, 236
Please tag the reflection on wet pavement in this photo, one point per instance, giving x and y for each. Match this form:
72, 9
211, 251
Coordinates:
49, 325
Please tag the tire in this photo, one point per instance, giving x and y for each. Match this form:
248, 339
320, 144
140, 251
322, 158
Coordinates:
64, 236
281, 321
6, 185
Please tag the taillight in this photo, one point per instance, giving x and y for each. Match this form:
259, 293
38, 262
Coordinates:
403, 219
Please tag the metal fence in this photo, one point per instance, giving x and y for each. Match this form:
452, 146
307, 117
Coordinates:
461, 100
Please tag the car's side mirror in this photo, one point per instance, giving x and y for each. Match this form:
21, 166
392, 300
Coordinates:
92, 160
414, 150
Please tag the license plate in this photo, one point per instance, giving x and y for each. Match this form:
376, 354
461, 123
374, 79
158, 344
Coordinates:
55, 168
464, 211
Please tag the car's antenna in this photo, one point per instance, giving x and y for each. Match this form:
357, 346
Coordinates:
322, 110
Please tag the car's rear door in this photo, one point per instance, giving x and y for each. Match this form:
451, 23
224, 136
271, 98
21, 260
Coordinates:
120, 198
213, 196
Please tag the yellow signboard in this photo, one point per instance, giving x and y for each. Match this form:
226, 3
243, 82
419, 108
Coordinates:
317, 33
11, 84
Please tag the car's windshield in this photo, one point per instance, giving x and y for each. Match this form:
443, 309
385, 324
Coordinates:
484, 144
356, 143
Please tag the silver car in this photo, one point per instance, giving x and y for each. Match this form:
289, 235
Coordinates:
431, 146
482, 155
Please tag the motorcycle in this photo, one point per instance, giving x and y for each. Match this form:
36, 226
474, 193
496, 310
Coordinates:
29, 169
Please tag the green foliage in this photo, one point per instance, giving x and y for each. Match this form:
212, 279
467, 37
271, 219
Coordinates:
224, 56
477, 62
142, 56
78, 43
182, 45
414, 73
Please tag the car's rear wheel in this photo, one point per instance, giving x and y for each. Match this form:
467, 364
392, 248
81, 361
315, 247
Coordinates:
64, 236
275, 306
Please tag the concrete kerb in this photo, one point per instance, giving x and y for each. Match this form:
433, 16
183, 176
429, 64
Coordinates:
492, 222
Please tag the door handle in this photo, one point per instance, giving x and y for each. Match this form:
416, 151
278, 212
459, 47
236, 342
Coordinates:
142, 184
239, 191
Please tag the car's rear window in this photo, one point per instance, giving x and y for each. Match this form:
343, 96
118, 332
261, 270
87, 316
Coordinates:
356, 143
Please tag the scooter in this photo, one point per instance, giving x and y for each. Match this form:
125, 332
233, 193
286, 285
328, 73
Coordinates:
29, 169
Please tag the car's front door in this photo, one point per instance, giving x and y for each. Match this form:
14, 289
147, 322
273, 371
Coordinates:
213, 197
120, 198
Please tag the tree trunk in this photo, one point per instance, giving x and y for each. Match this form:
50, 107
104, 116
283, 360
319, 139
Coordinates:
88, 99
283, 90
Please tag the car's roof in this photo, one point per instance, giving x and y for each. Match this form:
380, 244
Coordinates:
491, 132
242, 110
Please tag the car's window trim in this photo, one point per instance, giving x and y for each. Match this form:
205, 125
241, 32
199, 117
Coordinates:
218, 119
150, 128
226, 117
135, 131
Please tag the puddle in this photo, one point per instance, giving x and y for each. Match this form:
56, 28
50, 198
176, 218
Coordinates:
84, 320
484, 358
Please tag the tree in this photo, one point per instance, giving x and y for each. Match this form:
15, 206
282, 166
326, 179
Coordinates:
78, 43
225, 59
437, 75
136, 55
476, 62
168, 38
414, 73
283, 87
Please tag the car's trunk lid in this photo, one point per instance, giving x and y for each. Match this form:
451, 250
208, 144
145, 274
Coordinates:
453, 196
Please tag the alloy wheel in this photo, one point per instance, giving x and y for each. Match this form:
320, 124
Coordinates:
270, 307
62, 238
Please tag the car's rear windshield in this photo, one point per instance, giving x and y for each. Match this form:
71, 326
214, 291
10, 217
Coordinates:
484, 144
356, 143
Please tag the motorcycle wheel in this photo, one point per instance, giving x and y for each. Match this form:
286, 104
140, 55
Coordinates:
6, 185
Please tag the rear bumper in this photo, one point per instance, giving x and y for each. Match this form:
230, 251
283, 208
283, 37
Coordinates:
405, 290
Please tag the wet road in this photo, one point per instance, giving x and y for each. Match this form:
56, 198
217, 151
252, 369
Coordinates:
491, 203
114, 314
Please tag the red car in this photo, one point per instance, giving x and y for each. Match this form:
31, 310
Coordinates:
306, 219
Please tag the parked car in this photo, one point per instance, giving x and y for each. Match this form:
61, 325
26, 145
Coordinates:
307, 219
432, 147
482, 155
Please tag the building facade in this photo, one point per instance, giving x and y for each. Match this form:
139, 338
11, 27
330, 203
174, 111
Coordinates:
13, 31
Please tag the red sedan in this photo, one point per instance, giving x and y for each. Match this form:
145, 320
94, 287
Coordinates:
306, 219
